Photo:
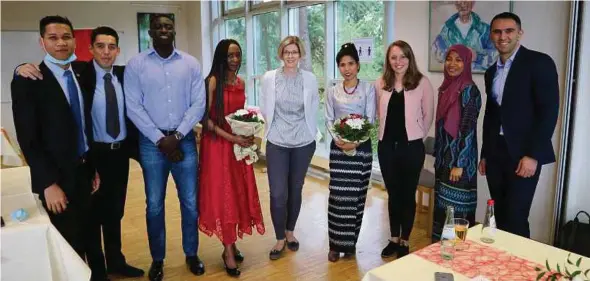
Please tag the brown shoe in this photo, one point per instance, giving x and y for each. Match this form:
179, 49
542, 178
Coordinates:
333, 256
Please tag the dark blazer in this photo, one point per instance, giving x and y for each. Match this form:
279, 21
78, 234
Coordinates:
529, 110
44, 129
88, 75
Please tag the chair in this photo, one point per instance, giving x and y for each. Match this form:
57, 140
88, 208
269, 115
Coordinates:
426, 185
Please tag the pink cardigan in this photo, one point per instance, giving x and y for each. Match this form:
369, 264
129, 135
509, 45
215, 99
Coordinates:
418, 104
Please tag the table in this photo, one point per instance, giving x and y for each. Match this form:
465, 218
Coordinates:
33, 249
414, 267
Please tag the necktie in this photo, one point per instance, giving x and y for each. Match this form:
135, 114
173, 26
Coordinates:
112, 108
76, 110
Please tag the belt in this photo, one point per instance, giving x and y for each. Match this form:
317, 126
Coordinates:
111, 146
168, 132
83, 158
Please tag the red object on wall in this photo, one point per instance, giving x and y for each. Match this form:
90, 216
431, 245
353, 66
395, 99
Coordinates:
82, 43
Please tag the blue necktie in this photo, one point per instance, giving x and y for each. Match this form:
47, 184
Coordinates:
76, 111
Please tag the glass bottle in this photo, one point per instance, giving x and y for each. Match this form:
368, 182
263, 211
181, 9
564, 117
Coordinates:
488, 230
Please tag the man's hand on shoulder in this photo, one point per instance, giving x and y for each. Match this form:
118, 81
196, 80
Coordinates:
29, 70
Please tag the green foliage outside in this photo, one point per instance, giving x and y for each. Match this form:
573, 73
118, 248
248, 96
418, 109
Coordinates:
354, 19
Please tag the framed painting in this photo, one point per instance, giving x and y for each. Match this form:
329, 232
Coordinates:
463, 22
143, 26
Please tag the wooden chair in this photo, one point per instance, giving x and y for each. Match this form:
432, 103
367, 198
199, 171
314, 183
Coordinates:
426, 186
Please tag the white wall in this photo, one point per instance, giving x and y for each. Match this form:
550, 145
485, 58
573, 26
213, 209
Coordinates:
122, 16
546, 28
578, 194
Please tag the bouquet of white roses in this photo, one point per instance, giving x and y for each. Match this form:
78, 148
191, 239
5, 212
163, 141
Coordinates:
246, 123
352, 128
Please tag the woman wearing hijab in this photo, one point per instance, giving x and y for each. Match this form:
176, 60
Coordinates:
459, 101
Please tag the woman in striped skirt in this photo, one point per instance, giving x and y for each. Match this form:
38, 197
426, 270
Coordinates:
349, 175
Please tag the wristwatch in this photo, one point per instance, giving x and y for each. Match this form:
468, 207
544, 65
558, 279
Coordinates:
178, 135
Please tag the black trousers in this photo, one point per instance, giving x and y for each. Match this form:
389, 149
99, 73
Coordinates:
401, 163
72, 223
107, 208
513, 195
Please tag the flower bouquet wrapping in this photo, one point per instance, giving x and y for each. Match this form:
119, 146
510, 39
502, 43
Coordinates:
246, 123
352, 128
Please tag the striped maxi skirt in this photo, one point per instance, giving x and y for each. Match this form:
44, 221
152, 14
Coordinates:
349, 182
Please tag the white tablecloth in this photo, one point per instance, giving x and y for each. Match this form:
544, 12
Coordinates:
33, 249
413, 267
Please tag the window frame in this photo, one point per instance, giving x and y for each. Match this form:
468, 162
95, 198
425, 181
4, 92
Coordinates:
219, 15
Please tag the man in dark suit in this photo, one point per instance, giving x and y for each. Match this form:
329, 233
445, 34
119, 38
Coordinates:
115, 141
54, 130
521, 113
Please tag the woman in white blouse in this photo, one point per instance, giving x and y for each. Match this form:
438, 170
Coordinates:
289, 104
349, 175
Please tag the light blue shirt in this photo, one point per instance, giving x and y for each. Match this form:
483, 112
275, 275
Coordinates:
502, 70
99, 107
59, 74
164, 93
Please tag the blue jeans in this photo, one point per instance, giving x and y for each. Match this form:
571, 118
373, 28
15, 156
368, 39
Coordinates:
156, 169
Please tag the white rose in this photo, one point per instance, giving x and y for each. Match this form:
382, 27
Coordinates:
241, 112
356, 124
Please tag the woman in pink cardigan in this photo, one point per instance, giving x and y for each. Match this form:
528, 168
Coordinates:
405, 108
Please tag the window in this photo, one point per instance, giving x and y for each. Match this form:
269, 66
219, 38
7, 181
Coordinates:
267, 34
233, 4
236, 29
259, 26
308, 23
358, 19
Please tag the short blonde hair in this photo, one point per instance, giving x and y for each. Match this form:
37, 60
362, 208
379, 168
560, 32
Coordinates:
291, 40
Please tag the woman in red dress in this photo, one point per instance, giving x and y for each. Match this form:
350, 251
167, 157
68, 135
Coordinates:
228, 197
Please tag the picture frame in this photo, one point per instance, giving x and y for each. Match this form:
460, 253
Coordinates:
446, 29
143, 27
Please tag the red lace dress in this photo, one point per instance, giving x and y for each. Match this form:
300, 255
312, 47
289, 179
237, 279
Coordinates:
228, 196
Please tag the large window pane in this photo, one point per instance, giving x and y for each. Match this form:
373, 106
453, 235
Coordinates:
233, 4
358, 19
267, 34
236, 29
309, 24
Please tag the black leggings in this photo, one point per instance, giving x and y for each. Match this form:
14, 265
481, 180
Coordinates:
401, 163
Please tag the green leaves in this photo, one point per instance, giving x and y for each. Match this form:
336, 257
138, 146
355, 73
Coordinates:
566, 275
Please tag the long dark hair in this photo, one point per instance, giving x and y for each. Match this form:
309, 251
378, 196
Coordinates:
413, 75
219, 69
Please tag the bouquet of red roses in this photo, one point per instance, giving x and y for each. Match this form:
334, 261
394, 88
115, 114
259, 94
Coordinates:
352, 128
245, 122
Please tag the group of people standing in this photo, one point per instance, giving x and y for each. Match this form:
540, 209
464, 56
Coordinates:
78, 147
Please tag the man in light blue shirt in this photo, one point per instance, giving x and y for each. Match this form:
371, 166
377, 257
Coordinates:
502, 69
165, 98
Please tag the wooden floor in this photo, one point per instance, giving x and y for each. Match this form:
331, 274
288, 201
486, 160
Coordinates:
309, 263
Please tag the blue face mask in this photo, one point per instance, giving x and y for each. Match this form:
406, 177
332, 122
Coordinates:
67, 61
51, 59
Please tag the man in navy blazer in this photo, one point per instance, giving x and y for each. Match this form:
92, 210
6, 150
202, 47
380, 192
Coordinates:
521, 113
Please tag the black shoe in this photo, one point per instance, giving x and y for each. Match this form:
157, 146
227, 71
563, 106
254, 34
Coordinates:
195, 265
293, 246
403, 250
238, 255
390, 249
126, 270
156, 271
233, 272
276, 254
